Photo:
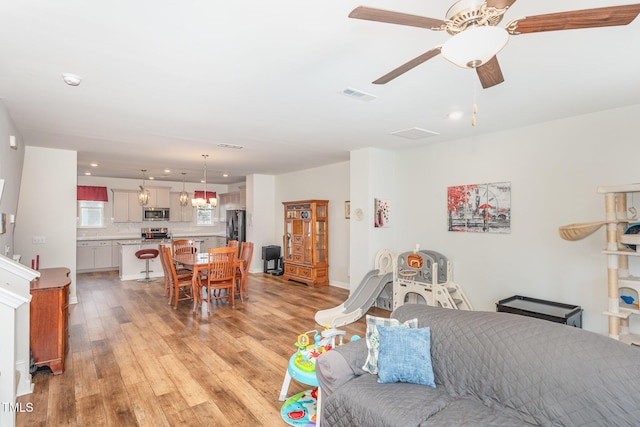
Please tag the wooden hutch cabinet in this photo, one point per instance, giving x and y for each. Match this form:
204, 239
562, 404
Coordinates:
50, 318
306, 242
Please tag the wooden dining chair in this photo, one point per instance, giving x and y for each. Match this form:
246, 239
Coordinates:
166, 268
244, 263
184, 246
181, 285
233, 244
220, 275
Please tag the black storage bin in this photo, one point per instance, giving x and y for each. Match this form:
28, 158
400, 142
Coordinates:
548, 310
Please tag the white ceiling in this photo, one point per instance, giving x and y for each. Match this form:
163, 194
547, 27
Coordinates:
165, 82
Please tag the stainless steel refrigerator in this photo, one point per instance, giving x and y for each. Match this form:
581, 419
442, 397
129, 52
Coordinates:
236, 225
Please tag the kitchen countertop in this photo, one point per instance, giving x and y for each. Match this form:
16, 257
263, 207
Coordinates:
137, 238
149, 241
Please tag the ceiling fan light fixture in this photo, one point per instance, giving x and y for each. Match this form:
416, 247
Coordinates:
475, 46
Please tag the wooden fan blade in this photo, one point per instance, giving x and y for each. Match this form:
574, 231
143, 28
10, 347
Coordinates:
390, 17
408, 66
490, 73
500, 4
576, 19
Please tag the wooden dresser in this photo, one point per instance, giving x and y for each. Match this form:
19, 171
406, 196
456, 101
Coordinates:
50, 318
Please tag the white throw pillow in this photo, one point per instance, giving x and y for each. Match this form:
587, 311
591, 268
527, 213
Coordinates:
373, 338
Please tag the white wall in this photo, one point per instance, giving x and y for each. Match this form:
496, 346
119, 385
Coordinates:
372, 176
554, 169
47, 208
323, 183
10, 171
261, 216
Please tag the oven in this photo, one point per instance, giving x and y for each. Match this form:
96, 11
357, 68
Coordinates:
154, 233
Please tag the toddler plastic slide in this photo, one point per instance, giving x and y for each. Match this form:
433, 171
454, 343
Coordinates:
359, 301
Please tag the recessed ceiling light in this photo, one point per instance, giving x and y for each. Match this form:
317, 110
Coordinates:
71, 79
152, 178
455, 115
225, 175
93, 165
87, 173
167, 171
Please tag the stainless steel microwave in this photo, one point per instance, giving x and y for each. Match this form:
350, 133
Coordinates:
155, 214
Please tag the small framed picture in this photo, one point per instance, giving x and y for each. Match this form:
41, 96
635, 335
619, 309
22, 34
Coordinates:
347, 209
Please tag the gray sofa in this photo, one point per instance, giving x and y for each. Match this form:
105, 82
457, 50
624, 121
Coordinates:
491, 369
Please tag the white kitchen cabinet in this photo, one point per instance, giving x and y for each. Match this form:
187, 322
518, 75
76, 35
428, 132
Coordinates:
233, 200
126, 207
84, 257
94, 255
179, 213
115, 254
159, 197
212, 242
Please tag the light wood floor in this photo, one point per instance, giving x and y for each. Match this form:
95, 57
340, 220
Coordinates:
135, 361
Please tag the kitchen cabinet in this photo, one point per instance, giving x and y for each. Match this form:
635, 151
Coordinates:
126, 207
306, 242
179, 213
159, 197
94, 255
233, 200
213, 242
115, 254
49, 318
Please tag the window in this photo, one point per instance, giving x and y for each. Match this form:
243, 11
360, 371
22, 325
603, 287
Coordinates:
91, 214
204, 216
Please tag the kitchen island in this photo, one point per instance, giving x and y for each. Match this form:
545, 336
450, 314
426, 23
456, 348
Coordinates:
132, 268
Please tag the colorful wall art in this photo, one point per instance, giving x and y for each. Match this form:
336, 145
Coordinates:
480, 208
382, 211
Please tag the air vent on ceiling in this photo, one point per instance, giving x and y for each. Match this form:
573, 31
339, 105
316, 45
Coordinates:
237, 147
415, 133
358, 94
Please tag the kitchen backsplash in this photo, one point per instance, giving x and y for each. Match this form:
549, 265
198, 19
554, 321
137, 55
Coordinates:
132, 229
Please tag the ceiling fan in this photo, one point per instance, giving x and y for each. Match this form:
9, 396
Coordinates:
477, 39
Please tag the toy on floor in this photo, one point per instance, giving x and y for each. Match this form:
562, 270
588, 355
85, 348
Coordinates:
303, 409
324, 341
426, 275
408, 277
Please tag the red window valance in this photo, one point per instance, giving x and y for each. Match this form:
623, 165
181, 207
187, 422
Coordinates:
94, 194
199, 194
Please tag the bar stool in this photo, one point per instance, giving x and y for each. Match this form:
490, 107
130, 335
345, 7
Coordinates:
146, 255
